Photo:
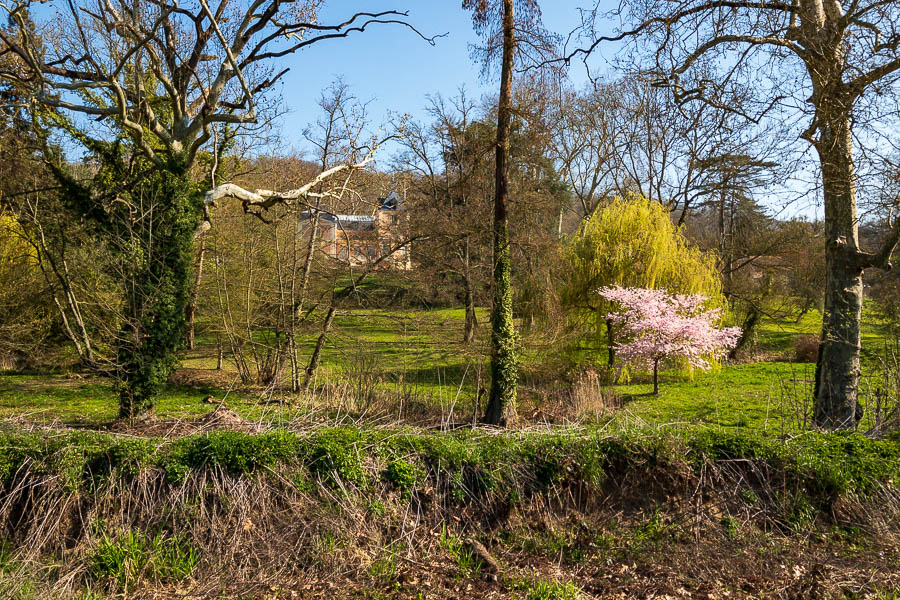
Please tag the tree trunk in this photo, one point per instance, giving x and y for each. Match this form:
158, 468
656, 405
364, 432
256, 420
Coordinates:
501, 408
157, 293
471, 317
838, 367
195, 293
308, 261
748, 329
559, 223
320, 343
656, 377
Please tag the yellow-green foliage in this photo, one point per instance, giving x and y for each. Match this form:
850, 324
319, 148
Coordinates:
632, 242
25, 313
18, 264
15, 252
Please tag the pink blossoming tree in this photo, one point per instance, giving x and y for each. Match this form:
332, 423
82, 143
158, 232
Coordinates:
659, 325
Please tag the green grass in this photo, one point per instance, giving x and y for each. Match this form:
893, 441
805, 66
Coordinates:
418, 348
128, 556
92, 401
468, 564
414, 352
536, 588
417, 355
754, 395
470, 464
778, 335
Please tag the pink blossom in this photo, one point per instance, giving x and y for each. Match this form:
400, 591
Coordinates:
660, 325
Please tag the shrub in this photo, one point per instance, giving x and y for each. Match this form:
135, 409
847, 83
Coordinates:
806, 348
234, 451
334, 455
404, 476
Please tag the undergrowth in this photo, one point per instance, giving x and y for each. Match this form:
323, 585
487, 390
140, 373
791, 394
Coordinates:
115, 513
128, 556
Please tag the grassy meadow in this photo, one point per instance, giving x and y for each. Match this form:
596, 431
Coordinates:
410, 366
377, 484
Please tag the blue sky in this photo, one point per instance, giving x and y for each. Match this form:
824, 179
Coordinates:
392, 67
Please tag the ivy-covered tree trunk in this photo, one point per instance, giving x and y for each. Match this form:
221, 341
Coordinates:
154, 251
501, 408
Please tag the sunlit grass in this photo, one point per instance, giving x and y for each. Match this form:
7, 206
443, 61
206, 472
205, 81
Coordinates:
418, 355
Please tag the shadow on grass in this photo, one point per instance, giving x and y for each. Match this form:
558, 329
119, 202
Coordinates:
438, 374
634, 397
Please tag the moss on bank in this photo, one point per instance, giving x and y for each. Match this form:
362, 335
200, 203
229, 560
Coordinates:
821, 465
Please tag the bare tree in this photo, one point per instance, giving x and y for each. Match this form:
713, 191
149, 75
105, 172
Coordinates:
448, 164
625, 135
586, 143
210, 64
832, 60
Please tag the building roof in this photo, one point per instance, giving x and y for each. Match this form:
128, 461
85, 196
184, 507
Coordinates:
336, 218
349, 218
390, 202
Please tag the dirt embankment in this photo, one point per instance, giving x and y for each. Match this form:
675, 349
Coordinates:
349, 513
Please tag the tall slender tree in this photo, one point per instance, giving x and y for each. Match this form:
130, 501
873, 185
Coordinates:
502, 24
501, 408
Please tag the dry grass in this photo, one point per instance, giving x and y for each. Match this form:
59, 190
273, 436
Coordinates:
648, 530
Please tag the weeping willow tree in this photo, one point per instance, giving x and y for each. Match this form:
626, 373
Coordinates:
632, 242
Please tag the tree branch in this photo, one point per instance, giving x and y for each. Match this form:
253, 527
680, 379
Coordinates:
882, 258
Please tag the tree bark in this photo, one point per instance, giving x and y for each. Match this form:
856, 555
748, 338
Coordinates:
195, 293
748, 329
838, 366
471, 317
320, 343
656, 377
501, 408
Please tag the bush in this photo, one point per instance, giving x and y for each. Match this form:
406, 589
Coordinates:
334, 455
806, 348
404, 476
238, 453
